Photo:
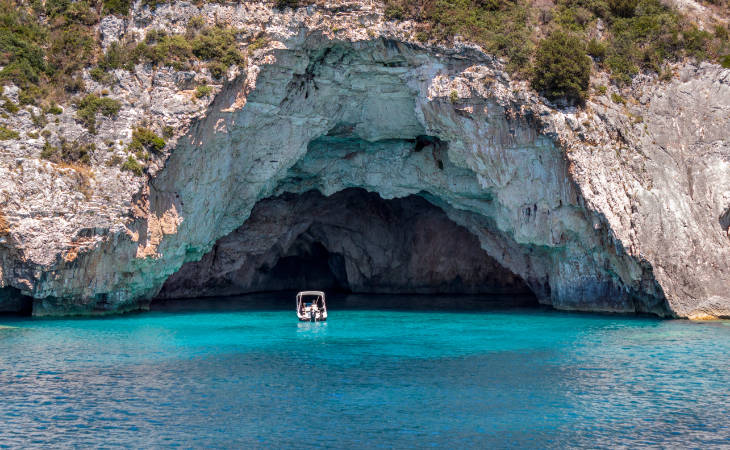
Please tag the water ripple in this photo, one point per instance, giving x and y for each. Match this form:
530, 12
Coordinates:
365, 379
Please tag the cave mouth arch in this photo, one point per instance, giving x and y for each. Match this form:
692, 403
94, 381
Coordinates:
351, 242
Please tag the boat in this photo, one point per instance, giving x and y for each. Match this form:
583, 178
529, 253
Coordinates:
311, 306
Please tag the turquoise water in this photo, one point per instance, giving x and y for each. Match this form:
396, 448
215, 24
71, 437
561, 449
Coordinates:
509, 378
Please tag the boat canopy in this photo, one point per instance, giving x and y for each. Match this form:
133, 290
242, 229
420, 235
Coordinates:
311, 306
305, 293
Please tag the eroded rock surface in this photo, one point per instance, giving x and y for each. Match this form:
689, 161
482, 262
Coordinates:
608, 208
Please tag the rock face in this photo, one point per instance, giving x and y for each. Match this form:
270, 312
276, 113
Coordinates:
612, 207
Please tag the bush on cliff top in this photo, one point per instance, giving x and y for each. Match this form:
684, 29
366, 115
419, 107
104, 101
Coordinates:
562, 69
44, 45
217, 46
500, 26
43, 57
638, 34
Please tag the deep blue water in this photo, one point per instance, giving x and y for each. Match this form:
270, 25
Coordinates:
247, 378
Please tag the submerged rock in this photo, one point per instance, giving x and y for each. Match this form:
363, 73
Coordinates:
611, 207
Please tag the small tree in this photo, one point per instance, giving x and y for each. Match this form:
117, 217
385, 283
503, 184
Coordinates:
562, 68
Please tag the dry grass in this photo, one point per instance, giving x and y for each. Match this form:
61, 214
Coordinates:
84, 175
4, 225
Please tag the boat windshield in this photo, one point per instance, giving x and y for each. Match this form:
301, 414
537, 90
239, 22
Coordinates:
312, 300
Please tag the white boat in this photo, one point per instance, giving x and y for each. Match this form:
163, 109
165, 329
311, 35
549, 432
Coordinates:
311, 306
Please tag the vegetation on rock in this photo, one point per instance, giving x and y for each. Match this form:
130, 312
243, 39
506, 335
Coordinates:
146, 139
91, 105
624, 37
502, 27
68, 152
203, 91
7, 133
562, 69
131, 165
4, 225
216, 46
725, 61
44, 45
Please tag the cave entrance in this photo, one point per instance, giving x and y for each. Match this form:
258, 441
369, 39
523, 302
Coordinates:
353, 242
307, 263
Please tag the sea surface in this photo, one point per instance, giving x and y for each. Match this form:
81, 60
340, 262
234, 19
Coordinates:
197, 375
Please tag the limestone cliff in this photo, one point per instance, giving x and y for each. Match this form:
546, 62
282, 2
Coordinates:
608, 207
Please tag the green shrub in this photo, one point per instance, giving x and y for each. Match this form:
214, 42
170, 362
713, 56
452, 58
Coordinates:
163, 49
131, 165
695, 42
217, 69
623, 8
91, 105
394, 12
146, 139
114, 58
152, 4
72, 48
68, 152
601, 89
53, 108
259, 42
454, 96
100, 76
725, 61
119, 7
30, 95
596, 49
617, 98
645, 40
9, 106
217, 44
196, 23
48, 151
562, 69
65, 12
168, 132
22, 41
7, 133
203, 91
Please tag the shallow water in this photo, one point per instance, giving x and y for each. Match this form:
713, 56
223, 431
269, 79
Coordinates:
384, 378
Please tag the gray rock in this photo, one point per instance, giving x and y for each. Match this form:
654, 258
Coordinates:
608, 208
